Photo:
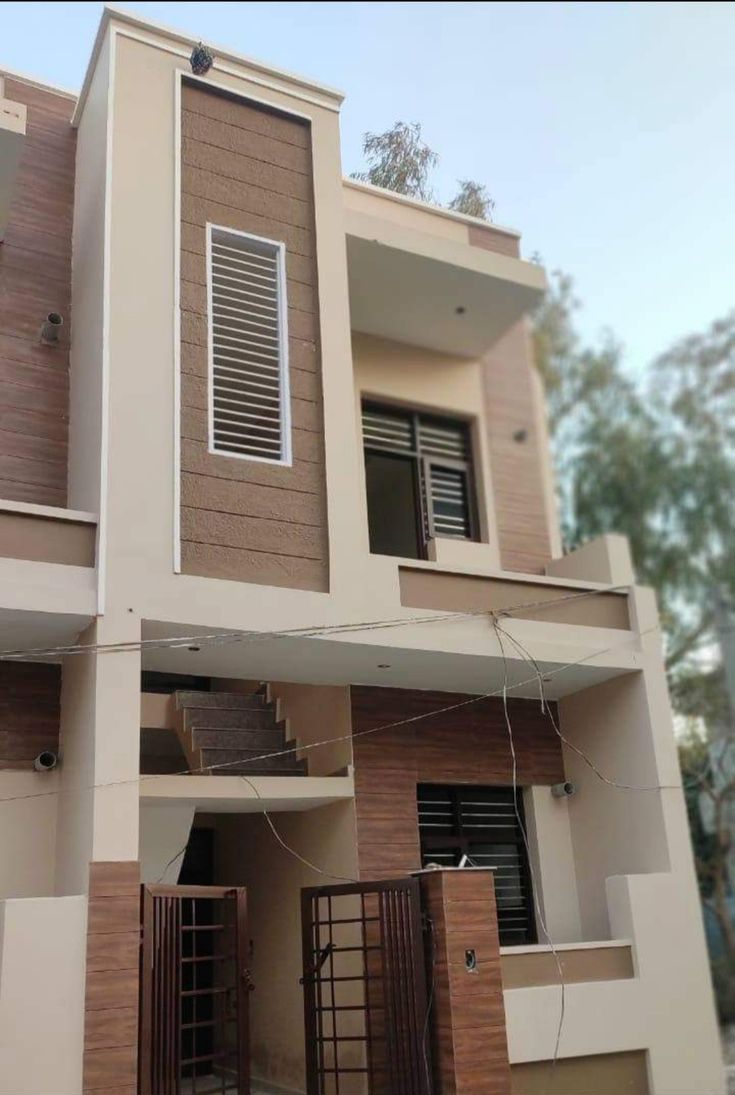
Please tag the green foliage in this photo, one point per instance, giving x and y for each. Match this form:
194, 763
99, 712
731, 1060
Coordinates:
695, 771
473, 200
399, 160
654, 460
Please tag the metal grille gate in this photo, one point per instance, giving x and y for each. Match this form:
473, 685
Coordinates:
194, 991
365, 999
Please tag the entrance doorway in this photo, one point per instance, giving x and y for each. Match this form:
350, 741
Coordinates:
195, 985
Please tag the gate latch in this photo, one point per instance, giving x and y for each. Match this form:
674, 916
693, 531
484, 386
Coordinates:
247, 978
324, 954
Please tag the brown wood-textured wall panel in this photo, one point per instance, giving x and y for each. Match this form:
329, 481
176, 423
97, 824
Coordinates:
470, 1046
111, 1001
30, 712
517, 466
35, 279
246, 168
493, 239
468, 745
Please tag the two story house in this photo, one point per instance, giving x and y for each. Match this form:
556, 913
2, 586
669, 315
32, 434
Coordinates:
322, 769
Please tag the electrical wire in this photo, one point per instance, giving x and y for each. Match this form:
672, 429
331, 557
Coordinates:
548, 710
313, 631
344, 737
302, 859
535, 888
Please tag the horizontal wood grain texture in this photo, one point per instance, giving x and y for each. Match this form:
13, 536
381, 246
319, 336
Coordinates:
450, 592
470, 1048
493, 239
248, 168
518, 466
601, 1073
525, 970
44, 539
35, 279
468, 745
29, 712
111, 1000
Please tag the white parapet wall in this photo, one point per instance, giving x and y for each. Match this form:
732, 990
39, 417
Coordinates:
665, 1010
42, 978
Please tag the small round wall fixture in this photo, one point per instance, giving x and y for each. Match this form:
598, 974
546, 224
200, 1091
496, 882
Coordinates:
520, 436
201, 59
460, 310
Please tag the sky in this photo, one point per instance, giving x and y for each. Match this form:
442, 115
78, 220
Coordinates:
605, 132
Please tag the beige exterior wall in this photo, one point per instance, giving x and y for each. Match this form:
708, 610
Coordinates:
317, 713
247, 854
42, 976
27, 859
605, 1072
424, 380
89, 291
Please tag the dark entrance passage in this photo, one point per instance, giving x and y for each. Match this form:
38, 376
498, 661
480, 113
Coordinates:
195, 985
365, 999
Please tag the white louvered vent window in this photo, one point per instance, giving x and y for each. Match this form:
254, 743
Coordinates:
249, 410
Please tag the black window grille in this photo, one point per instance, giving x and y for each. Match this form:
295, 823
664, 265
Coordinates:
419, 480
481, 823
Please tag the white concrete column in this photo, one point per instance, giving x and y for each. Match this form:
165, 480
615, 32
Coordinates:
100, 744
552, 864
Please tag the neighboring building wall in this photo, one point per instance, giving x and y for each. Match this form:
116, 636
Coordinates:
248, 168
90, 285
469, 745
29, 712
42, 996
35, 279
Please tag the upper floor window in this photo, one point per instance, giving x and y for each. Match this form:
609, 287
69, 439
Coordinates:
482, 823
419, 480
249, 411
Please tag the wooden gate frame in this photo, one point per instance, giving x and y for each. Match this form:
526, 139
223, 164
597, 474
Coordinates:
408, 1060
166, 1023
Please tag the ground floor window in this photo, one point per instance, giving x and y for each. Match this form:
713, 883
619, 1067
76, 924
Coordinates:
482, 824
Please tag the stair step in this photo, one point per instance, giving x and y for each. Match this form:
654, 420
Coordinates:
220, 700
261, 740
246, 759
236, 718
244, 770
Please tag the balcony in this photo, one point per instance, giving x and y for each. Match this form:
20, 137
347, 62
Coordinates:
48, 590
423, 276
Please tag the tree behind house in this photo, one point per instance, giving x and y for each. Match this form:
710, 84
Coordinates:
399, 160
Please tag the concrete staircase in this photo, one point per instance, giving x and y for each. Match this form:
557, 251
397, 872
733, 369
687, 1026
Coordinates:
222, 733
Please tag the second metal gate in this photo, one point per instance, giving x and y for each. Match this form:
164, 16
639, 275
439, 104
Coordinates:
365, 999
194, 991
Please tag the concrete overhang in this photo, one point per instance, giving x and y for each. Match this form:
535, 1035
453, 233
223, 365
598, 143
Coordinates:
462, 657
425, 289
12, 136
234, 795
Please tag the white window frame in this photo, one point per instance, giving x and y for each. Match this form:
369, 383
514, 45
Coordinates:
279, 249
